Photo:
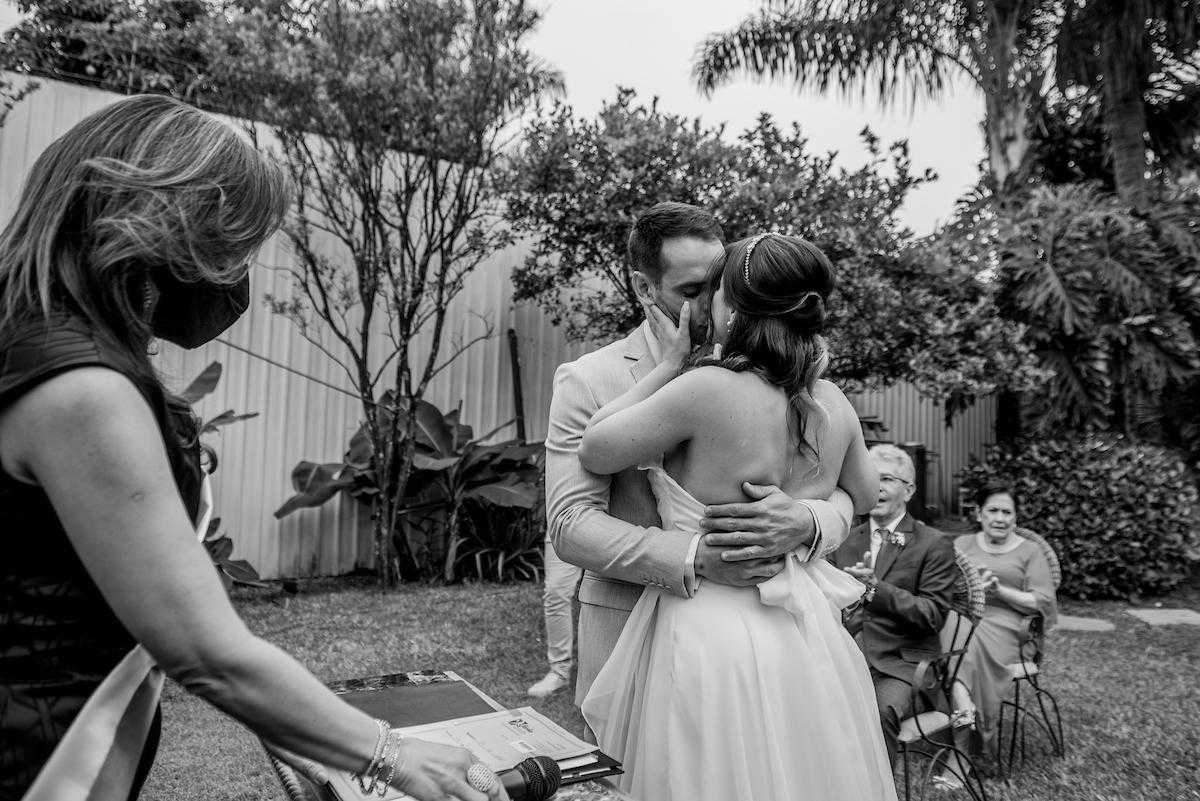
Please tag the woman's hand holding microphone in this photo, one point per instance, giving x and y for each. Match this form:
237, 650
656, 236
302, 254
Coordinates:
427, 771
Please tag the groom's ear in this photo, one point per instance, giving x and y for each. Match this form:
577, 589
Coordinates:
644, 288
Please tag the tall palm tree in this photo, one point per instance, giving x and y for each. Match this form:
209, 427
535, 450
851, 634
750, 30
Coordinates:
895, 45
1118, 47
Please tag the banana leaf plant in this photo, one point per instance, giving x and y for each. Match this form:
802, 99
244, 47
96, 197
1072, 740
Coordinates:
231, 571
219, 546
451, 468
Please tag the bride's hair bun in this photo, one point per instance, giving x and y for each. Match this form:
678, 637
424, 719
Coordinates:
808, 313
783, 277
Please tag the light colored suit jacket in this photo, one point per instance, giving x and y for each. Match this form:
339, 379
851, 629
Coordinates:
609, 525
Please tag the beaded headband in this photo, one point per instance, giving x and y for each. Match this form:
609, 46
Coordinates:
746, 274
749, 250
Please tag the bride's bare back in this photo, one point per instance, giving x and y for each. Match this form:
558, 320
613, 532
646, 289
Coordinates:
719, 429
746, 431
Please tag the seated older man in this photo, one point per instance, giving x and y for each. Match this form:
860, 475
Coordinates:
908, 572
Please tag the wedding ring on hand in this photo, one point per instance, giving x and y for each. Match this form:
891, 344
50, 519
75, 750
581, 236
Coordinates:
481, 777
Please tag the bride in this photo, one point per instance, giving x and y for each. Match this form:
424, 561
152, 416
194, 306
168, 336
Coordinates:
742, 692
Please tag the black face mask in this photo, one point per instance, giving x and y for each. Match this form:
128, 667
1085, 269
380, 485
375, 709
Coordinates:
191, 315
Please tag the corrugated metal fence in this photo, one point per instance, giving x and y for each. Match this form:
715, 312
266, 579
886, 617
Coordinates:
302, 419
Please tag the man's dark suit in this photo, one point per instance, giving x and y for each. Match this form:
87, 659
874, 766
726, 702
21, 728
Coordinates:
899, 626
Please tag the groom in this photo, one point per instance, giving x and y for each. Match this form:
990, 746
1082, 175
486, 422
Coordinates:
609, 525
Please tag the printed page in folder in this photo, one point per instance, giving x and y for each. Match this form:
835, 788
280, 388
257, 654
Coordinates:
499, 740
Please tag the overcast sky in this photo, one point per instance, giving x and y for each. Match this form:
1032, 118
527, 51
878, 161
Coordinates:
649, 44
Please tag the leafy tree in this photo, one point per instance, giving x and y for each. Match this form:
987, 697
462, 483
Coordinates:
389, 117
903, 310
11, 94
1118, 48
894, 45
147, 46
574, 189
1110, 305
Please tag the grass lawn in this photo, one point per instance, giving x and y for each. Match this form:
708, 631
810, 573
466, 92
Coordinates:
1129, 698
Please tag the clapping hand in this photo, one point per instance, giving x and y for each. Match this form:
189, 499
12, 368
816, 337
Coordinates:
860, 570
990, 581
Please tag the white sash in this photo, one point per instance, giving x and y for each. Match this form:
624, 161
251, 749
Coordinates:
97, 759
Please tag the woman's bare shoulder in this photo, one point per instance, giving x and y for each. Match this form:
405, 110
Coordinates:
83, 405
830, 394
91, 392
840, 413
708, 381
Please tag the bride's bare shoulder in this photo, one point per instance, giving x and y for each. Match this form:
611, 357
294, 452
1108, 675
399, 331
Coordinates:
717, 383
831, 396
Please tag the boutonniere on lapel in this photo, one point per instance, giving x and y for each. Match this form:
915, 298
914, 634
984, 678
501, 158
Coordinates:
897, 538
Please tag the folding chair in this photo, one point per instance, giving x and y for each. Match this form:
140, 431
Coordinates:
1027, 673
930, 734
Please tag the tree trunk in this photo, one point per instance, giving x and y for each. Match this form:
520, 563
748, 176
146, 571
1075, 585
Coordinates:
1009, 418
387, 559
1011, 89
1125, 64
1125, 125
1005, 127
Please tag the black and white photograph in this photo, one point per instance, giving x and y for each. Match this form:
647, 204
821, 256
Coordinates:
626, 400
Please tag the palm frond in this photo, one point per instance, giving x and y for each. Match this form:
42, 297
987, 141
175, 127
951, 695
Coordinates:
883, 44
1081, 390
1041, 244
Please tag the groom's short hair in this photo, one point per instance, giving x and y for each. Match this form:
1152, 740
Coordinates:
662, 221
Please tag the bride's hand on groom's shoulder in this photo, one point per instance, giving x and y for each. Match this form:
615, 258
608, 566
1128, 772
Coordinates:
674, 340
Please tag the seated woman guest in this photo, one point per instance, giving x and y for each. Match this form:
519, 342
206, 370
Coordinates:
1016, 577
138, 223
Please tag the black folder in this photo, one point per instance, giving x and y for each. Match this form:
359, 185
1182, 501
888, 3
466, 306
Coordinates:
413, 699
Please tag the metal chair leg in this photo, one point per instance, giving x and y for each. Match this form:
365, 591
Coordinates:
970, 781
1018, 728
927, 774
1053, 727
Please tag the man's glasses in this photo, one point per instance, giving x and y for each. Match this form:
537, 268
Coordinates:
888, 478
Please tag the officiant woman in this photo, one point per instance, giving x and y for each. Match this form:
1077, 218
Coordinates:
139, 223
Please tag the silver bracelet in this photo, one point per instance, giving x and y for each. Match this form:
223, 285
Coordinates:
390, 761
369, 778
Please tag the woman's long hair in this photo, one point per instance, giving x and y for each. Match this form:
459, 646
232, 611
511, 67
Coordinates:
778, 286
143, 188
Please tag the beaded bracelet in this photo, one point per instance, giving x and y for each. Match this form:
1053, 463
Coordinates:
373, 768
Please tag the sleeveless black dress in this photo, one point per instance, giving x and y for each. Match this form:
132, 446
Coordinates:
58, 637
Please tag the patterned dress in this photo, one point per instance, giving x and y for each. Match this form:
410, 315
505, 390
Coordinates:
58, 637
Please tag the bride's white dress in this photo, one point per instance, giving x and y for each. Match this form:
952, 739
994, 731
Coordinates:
741, 694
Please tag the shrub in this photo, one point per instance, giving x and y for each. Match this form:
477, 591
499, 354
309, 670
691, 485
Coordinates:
1124, 518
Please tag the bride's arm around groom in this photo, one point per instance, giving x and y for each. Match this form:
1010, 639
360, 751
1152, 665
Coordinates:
609, 525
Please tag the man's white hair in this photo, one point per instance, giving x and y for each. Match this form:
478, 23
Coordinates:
898, 457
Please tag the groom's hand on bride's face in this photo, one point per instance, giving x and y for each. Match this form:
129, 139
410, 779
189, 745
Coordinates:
770, 526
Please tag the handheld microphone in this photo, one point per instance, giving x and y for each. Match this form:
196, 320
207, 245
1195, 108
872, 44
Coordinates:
534, 779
